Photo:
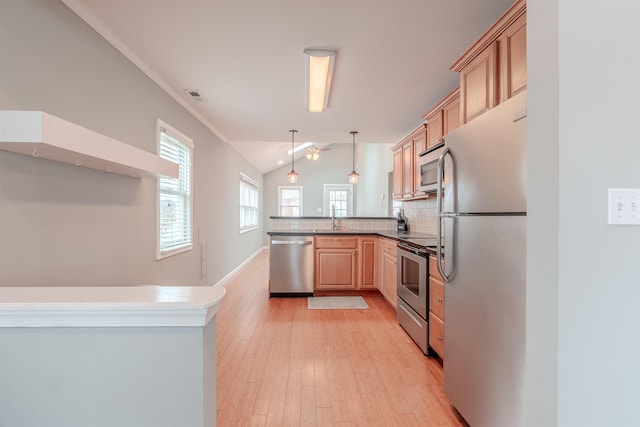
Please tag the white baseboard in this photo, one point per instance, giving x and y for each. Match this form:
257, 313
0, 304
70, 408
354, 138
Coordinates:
240, 267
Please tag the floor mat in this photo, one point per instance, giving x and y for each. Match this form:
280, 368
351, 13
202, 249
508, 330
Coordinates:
336, 303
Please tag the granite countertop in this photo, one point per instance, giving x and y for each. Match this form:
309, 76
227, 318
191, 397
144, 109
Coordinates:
409, 237
328, 217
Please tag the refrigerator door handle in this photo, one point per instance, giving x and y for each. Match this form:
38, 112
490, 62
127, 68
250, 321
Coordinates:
441, 216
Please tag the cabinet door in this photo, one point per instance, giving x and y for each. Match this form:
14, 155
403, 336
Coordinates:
335, 269
418, 147
397, 174
513, 59
407, 169
451, 115
389, 279
478, 84
435, 128
436, 334
436, 297
367, 268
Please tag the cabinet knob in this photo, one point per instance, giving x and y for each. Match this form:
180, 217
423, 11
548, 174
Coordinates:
439, 338
439, 299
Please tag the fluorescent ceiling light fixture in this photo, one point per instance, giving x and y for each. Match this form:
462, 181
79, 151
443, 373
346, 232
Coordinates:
318, 69
299, 147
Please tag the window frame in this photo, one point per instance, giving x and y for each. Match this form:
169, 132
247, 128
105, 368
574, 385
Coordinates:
163, 127
337, 187
251, 183
290, 187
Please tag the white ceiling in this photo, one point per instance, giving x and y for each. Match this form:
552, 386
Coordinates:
245, 57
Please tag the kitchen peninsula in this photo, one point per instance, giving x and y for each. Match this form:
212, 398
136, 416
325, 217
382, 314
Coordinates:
104, 356
358, 255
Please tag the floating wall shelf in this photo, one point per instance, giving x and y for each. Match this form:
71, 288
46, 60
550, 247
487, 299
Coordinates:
41, 135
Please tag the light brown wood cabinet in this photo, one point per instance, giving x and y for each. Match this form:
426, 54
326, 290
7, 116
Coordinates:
335, 263
478, 84
512, 45
367, 263
346, 263
451, 112
443, 118
407, 169
436, 308
494, 68
397, 173
388, 270
405, 165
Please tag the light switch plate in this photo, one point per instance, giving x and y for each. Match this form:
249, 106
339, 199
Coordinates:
624, 206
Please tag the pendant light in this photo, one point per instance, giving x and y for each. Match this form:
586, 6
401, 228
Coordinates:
293, 175
353, 176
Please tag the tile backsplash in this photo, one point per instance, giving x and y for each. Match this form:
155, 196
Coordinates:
421, 215
421, 218
364, 224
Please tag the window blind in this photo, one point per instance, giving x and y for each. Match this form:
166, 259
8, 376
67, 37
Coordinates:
248, 204
175, 204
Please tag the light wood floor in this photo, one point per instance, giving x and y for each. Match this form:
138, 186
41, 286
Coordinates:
280, 364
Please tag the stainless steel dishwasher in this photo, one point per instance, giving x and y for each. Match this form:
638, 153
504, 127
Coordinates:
290, 266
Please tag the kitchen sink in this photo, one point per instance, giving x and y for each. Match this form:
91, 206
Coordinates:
337, 231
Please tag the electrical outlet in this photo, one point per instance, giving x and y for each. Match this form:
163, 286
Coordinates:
624, 206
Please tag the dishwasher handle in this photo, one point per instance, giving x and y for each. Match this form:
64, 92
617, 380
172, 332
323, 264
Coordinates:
292, 242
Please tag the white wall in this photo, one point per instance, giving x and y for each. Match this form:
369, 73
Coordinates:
63, 225
373, 163
583, 280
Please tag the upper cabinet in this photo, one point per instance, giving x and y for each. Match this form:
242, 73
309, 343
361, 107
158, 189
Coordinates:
513, 58
494, 68
405, 164
491, 71
443, 118
397, 173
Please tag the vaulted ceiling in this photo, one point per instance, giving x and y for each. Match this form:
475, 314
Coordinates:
245, 58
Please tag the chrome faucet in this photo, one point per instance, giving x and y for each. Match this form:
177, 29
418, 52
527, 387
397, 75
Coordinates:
333, 217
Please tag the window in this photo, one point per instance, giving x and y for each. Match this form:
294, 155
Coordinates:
174, 213
290, 201
248, 204
340, 197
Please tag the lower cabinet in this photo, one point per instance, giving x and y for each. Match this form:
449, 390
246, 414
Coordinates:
436, 334
436, 308
367, 263
388, 271
335, 263
346, 263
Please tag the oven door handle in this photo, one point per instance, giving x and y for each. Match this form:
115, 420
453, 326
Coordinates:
412, 250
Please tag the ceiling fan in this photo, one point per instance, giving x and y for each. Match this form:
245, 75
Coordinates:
313, 152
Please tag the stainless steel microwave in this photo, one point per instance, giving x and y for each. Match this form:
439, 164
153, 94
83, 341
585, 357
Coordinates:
429, 168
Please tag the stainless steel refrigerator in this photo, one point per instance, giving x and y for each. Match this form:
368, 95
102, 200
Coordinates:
483, 216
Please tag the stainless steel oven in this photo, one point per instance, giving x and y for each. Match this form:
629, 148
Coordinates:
413, 293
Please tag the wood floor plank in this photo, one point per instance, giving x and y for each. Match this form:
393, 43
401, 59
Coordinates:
280, 364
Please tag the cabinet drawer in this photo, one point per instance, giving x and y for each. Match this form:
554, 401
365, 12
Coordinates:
335, 242
436, 334
389, 247
433, 269
436, 297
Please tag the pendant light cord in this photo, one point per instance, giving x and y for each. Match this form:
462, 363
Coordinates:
353, 153
293, 131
